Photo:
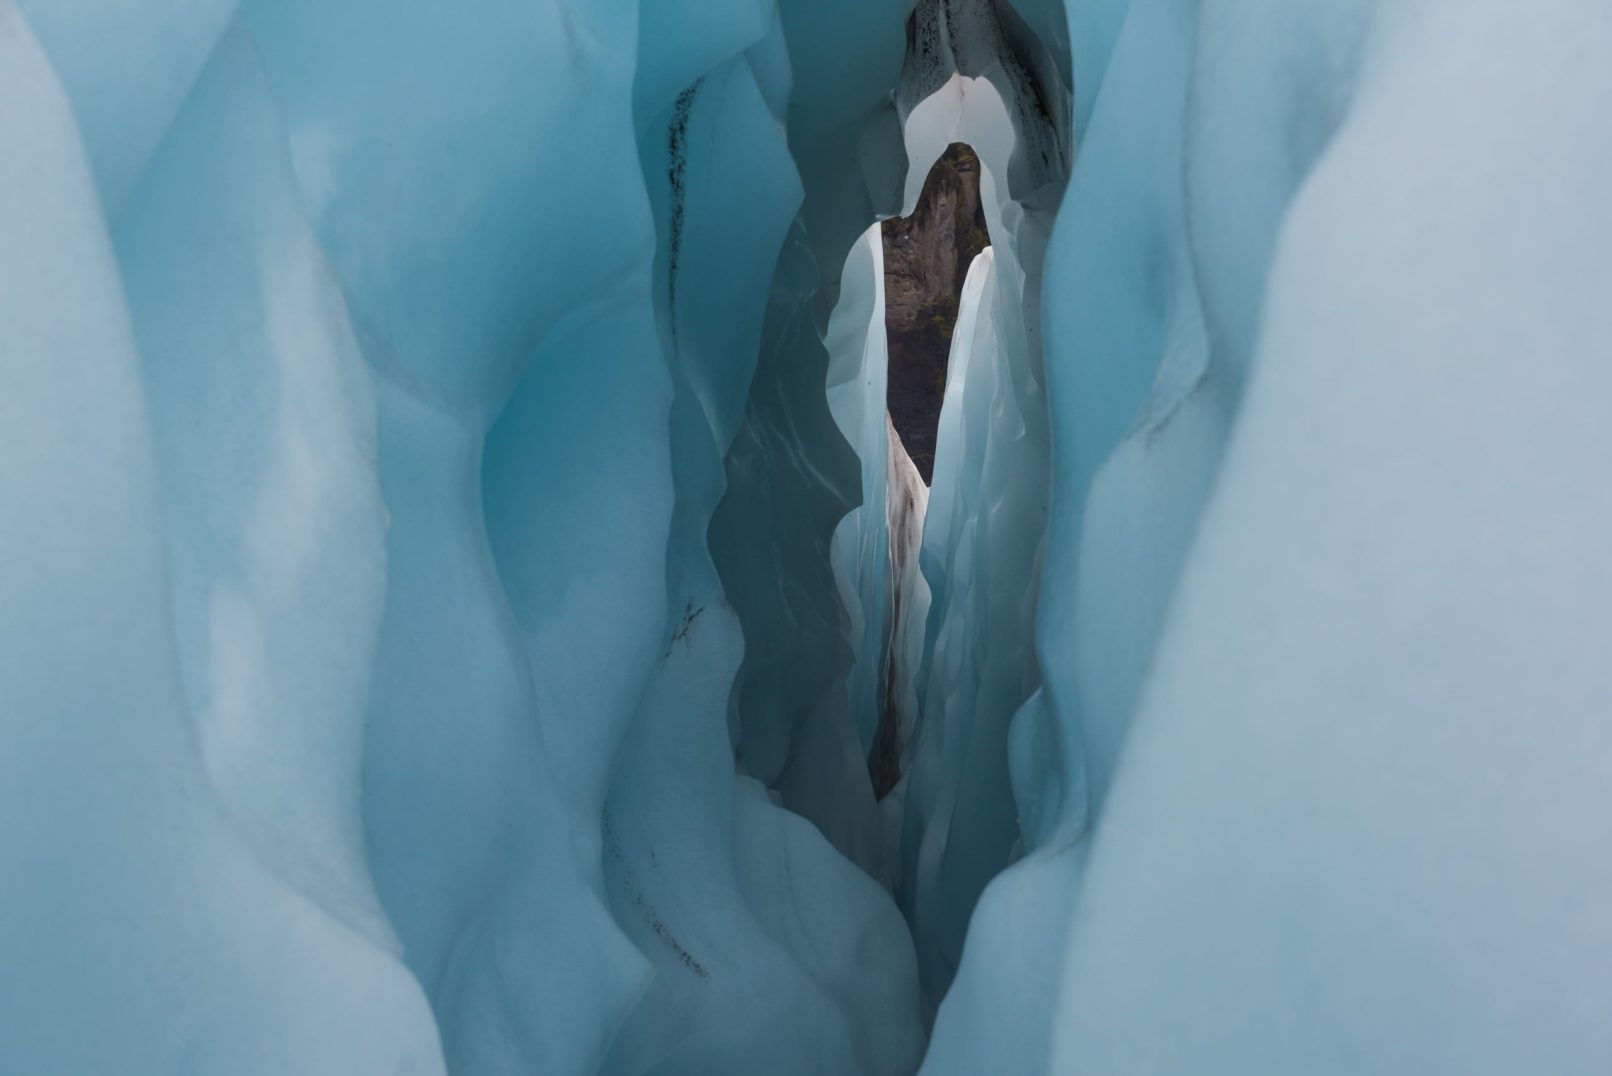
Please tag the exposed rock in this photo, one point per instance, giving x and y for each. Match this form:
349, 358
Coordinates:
926, 259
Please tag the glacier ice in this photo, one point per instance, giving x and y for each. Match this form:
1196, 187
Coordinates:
151, 923
467, 609
1389, 611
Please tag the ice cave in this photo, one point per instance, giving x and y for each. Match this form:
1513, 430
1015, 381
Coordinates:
468, 606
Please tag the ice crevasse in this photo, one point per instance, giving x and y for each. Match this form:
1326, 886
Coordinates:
465, 609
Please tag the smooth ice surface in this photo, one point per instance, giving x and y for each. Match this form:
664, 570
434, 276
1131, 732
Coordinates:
1378, 704
142, 931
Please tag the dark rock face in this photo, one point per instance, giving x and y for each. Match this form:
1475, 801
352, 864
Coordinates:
926, 258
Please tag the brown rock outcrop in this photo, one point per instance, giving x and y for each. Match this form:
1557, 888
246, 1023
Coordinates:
926, 258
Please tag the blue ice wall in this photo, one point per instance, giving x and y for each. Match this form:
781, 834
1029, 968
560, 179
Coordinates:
457, 566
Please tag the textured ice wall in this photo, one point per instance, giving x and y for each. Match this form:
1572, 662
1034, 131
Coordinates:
969, 78
934, 684
857, 386
767, 943
1316, 780
874, 555
792, 475
1124, 362
371, 369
